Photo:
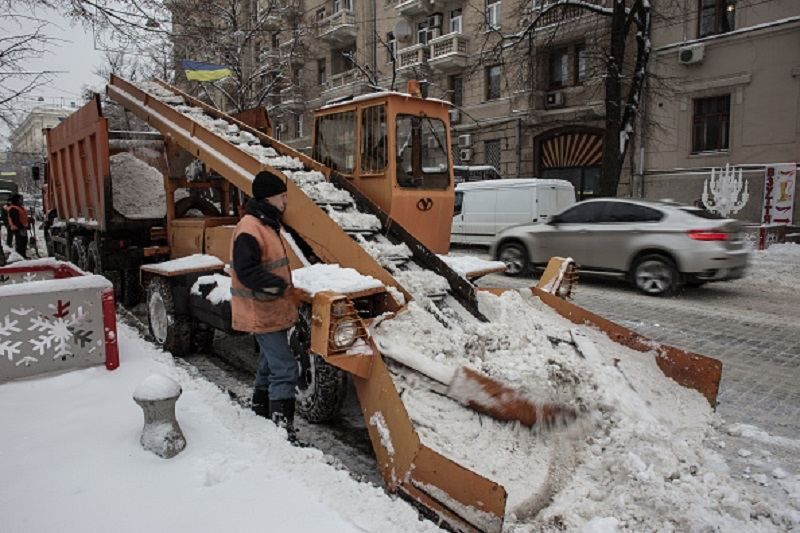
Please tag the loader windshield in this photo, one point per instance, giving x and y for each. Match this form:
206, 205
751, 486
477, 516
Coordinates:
422, 156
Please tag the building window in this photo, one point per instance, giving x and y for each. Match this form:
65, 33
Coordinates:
456, 90
559, 65
580, 64
711, 124
455, 21
422, 32
493, 14
320, 14
491, 153
275, 41
493, 74
322, 72
391, 47
339, 5
716, 16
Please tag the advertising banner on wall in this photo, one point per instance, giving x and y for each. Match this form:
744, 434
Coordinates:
779, 191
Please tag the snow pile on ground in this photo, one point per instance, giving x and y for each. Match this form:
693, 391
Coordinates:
638, 456
71, 445
138, 188
778, 266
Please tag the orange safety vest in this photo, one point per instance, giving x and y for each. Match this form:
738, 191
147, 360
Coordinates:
259, 311
23, 217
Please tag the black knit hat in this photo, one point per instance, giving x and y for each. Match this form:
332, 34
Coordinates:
267, 184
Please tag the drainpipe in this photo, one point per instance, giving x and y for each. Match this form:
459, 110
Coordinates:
375, 39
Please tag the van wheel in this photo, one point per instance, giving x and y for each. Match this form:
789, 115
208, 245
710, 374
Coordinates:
515, 256
321, 387
170, 331
655, 275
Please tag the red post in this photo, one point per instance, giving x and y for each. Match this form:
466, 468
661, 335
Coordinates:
110, 329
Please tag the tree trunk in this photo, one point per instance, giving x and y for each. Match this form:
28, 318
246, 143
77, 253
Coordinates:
612, 154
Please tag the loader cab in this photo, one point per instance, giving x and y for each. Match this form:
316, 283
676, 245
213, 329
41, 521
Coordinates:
394, 148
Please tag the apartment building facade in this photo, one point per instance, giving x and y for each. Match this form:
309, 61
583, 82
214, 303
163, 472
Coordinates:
724, 89
531, 106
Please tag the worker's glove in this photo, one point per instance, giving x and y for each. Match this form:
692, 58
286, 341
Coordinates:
298, 296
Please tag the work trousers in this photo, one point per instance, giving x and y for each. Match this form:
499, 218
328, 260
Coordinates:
277, 369
21, 242
9, 235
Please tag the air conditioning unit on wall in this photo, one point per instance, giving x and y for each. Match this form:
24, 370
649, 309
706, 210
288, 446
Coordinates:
694, 53
455, 116
465, 140
554, 99
465, 154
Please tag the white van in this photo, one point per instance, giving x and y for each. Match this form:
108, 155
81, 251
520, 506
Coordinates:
484, 208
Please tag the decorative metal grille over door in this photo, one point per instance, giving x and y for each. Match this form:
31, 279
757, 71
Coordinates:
572, 150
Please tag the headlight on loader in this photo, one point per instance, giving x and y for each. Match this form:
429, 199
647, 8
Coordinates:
344, 334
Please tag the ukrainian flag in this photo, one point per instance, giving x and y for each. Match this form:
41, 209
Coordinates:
197, 71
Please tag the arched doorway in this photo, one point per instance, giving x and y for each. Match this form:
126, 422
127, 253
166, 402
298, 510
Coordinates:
573, 154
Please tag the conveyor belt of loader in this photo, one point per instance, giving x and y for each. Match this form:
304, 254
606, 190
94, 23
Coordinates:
342, 226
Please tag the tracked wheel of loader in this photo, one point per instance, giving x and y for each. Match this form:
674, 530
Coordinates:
321, 387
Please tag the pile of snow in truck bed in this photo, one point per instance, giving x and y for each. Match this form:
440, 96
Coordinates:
639, 457
138, 188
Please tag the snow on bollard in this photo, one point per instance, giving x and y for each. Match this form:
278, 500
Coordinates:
162, 435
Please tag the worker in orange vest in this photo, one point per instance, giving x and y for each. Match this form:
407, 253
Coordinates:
18, 222
263, 300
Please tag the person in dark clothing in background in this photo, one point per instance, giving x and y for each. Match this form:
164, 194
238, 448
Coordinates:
263, 301
4, 215
18, 222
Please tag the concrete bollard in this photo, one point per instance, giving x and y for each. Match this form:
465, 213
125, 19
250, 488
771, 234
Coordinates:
162, 435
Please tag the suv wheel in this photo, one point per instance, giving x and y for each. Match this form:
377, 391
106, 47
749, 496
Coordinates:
515, 256
655, 275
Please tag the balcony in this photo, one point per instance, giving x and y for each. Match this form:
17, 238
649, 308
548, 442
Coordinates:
449, 52
413, 56
412, 8
291, 52
292, 98
342, 84
339, 28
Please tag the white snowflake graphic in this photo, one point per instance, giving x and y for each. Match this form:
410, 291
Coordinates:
8, 347
60, 331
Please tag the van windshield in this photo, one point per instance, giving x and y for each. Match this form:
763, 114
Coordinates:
422, 156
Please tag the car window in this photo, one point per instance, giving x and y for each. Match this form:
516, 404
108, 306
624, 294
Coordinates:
625, 212
702, 213
582, 213
459, 202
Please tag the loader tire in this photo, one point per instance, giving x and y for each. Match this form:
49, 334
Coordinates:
321, 387
201, 204
170, 331
79, 253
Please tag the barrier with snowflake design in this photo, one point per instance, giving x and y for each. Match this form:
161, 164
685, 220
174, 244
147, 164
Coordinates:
53, 317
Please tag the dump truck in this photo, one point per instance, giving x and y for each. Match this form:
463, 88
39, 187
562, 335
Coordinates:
375, 196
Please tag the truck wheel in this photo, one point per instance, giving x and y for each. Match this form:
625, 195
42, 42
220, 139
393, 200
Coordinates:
130, 287
93, 261
170, 331
202, 337
515, 256
321, 387
79, 253
655, 275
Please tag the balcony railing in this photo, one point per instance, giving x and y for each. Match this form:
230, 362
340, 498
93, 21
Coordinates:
291, 96
449, 52
339, 27
342, 79
413, 56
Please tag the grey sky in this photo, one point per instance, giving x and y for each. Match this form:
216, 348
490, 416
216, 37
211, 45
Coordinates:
73, 53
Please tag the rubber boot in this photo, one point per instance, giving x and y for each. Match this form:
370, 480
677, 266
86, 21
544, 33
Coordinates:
260, 403
282, 415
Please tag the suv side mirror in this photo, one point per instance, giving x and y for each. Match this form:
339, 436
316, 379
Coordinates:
554, 221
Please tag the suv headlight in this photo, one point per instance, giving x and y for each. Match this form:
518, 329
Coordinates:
344, 334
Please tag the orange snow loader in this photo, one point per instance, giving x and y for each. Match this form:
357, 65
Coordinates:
376, 196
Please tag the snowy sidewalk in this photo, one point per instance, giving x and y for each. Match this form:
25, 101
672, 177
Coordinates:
70, 461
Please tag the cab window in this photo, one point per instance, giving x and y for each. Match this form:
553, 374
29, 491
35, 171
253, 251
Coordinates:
373, 140
422, 156
335, 139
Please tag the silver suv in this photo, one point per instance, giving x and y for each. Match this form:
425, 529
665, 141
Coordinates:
656, 245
